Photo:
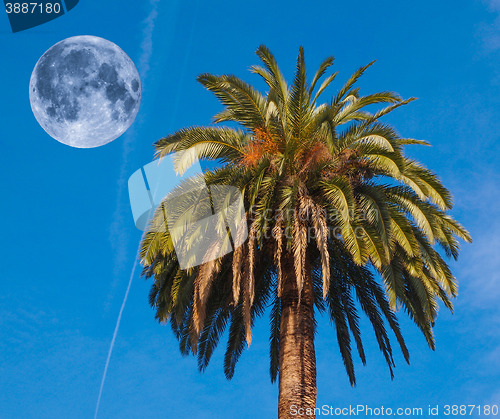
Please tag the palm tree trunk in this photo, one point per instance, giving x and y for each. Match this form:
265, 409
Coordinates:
297, 359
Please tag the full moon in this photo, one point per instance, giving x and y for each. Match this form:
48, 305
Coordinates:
85, 91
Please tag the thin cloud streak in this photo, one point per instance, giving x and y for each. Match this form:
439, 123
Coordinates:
490, 32
118, 236
117, 232
147, 40
479, 264
115, 333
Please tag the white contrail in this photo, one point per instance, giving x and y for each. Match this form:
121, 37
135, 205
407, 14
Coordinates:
114, 336
118, 237
144, 67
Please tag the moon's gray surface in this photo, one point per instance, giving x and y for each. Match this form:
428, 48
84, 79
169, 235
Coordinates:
85, 91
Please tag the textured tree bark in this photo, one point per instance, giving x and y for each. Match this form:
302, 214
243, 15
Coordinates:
297, 359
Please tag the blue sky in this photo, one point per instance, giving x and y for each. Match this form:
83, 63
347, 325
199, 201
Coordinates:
68, 239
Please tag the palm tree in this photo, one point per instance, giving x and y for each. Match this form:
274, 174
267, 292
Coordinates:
332, 203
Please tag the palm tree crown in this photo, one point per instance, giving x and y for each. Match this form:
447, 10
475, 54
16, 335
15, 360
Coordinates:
332, 203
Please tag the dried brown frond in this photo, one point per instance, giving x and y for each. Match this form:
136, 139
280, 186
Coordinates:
299, 249
238, 257
251, 261
237, 265
247, 318
278, 236
202, 287
321, 227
